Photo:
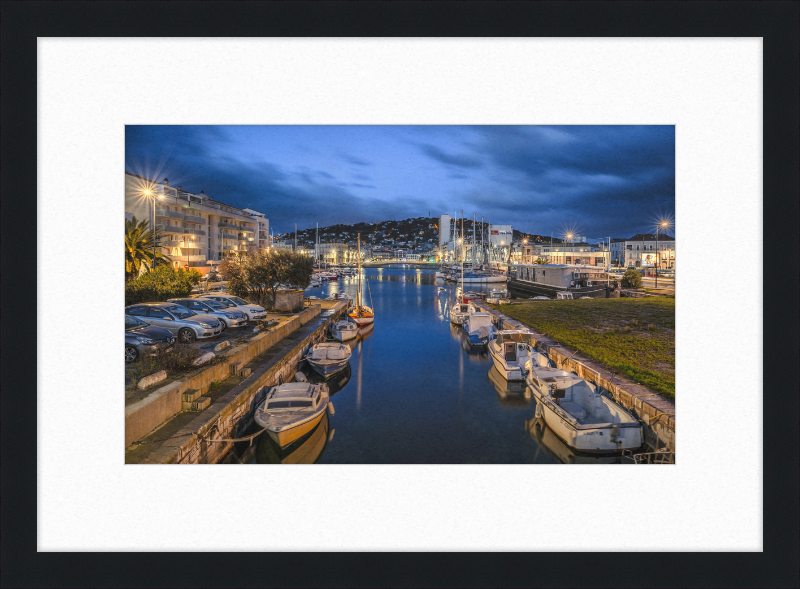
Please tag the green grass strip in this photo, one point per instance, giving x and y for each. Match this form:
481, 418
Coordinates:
635, 336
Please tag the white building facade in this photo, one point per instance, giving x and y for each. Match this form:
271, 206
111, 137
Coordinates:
196, 229
644, 251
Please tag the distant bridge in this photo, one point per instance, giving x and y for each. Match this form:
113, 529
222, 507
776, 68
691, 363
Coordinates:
394, 262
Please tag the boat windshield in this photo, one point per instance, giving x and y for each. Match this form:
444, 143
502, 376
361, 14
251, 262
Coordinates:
521, 338
285, 404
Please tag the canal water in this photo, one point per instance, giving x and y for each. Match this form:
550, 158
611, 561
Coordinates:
416, 392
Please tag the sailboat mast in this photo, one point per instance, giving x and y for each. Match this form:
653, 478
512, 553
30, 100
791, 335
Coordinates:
462, 256
483, 249
358, 294
474, 240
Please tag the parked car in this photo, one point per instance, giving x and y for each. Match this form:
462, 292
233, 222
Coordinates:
228, 317
178, 320
253, 312
142, 339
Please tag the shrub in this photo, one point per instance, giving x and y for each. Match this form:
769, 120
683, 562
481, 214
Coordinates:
635, 322
651, 327
161, 284
632, 279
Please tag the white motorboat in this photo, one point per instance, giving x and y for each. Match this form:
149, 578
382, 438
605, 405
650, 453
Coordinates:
344, 330
511, 351
564, 295
328, 358
579, 414
540, 298
479, 328
314, 284
460, 311
292, 409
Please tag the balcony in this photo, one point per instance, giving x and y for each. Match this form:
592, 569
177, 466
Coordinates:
246, 229
226, 248
226, 235
222, 224
190, 244
193, 219
168, 213
182, 230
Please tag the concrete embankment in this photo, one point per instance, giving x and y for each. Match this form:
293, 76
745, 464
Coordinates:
189, 436
657, 413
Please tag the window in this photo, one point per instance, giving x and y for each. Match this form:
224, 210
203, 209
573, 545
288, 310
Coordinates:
198, 306
637, 248
159, 313
138, 311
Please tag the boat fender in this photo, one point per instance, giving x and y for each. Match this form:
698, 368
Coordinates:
300, 377
331, 409
538, 410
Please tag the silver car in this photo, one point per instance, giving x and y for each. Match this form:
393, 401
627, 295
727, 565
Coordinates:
228, 317
180, 321
253, 312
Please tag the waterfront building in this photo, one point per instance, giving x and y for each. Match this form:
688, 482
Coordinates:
197, 229
643, 250
550, 279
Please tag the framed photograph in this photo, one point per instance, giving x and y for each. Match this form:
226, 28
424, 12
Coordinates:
231, 122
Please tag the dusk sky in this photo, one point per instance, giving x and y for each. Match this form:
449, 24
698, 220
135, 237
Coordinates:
596, 181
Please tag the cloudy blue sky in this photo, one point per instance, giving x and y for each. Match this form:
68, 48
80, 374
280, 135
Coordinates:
596, 181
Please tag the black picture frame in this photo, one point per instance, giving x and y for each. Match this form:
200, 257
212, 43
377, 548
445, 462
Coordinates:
775, 22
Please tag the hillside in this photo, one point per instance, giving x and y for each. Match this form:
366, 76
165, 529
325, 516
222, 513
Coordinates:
417, 233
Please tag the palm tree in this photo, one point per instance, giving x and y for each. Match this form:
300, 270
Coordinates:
139, 242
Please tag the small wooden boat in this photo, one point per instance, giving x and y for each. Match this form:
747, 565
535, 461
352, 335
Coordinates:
328, 358
511, 351
360, 313
292, 409
579, 414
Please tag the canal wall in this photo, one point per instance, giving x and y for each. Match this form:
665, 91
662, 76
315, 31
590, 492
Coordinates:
656, 412
164, 403
202, 440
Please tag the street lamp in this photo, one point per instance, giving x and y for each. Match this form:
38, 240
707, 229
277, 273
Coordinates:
148, 192
664, 225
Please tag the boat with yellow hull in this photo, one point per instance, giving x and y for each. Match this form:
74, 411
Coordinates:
292, 409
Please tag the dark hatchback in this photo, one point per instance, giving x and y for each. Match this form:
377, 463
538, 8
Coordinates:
143, 339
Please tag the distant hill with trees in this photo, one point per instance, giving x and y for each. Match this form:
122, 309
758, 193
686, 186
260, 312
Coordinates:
419, 232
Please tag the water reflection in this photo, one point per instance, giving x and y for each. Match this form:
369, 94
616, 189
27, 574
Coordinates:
554, 447
510, 393
306, 450
335, 383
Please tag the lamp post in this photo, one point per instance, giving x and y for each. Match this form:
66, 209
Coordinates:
148, 192
658, 256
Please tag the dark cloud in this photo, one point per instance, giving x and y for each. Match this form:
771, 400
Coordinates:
462, 161
596, 180
356, 161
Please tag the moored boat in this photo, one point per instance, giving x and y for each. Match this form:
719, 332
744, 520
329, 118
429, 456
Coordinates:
291, 410
511, 351
577, 412
344, 330
361, 314
328, 358
479, 328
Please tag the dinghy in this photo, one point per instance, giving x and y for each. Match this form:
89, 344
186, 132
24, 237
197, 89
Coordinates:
344, 330
328, 358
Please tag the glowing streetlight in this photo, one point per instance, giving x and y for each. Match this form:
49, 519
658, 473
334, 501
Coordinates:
661, 226
148, 192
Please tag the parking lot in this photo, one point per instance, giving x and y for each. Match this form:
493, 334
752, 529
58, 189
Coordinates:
235, 335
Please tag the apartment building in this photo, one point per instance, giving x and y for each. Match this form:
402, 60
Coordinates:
262, 237
196, 229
